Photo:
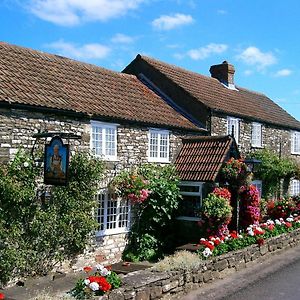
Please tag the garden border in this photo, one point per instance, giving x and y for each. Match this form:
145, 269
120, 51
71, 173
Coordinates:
150, 284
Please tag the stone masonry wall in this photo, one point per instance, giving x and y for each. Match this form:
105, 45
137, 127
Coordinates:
149, 284
277, 139
18, 126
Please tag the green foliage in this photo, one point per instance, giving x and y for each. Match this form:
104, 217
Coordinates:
35, 234
151, 232
272, 169
217, 208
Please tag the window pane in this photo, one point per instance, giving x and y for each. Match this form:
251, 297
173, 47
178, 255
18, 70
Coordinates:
189, 188
124, 214
153, 144
163, 151
190, 206
295, 187
296, 142
100, 210
97, 140
256, 135
233, 128
111, 212
110, 144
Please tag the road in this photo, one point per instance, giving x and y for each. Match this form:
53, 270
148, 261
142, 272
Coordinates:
278, 277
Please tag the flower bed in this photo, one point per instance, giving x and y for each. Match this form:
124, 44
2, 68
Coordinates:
254, 234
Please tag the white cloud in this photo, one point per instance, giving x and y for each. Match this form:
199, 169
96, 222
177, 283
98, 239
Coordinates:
283, 73
255, 57
120, 38
204, 52
222, 12
73, 12
83, 52
248, 72
168, 22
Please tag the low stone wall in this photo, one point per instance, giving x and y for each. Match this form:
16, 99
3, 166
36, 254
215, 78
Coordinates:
149, 284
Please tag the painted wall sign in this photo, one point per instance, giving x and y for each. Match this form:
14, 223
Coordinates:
56, 162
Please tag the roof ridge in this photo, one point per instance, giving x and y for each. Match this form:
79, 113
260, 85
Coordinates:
61, 58
174, 66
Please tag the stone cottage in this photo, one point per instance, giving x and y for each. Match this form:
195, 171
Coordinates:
222, 107
118, 118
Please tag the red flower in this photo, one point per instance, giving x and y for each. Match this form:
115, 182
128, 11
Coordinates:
234, 235
288, 224
2, 296
260, 241
87, 269
103, 283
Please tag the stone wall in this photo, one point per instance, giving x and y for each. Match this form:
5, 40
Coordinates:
277, 139
148, 284
16, 131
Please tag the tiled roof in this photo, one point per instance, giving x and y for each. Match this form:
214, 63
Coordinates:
213, 94
50, 81
200, 159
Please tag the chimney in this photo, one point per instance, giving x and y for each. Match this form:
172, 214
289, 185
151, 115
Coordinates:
224, 72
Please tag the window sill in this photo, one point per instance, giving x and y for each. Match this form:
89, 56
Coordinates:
105, 158
295, 153
110, 232
184, 218
257, 147
161, 161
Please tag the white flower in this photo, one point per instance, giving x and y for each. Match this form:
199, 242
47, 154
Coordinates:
94, 286
270, 222
251, 233
99, 267
212, 243
104, 272
290, 219
277, 222
207, 252
86, 281
26, 164
202, 239
240, 236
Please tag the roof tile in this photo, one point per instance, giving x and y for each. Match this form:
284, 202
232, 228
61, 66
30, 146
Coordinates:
213, 94
39, 79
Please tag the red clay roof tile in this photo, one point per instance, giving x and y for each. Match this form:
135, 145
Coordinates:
200, 159
39, 79
213, 94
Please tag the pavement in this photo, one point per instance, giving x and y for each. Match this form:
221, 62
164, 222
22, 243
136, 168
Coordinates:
53, 284
274, 277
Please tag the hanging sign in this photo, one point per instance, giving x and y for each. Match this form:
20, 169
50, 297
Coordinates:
56, 162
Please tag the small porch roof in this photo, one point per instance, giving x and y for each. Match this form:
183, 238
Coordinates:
201, 158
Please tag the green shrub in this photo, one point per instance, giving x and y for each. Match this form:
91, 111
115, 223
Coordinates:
35, 234
153, 232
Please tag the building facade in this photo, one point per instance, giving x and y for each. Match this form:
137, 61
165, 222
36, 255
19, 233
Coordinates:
223, 108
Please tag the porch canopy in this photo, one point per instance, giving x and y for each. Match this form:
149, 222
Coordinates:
201, 158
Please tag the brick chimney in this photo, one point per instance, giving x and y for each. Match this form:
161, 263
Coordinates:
224, 72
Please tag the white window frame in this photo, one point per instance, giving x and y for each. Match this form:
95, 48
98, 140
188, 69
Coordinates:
104, 127
199, 193
256, 135
295, 142
236, 129
120, 206
258, 185
295, 187
159, 133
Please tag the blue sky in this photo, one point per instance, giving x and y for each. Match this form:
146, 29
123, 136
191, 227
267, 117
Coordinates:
259, 37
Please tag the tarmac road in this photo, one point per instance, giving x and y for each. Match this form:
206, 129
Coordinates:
278, 278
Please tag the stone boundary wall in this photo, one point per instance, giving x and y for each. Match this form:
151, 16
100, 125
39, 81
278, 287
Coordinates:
149, 284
